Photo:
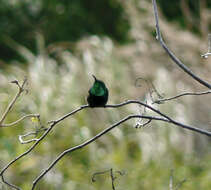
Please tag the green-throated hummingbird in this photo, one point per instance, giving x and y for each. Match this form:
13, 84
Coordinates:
98, 94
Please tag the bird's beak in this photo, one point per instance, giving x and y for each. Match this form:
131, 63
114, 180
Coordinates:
94, 77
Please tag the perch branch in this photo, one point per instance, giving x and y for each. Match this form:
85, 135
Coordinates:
170, 53
109, 129
164, 118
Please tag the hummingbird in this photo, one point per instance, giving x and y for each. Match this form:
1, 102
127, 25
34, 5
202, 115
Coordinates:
98, 94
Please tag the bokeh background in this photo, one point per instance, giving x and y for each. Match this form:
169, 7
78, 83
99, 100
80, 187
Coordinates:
59, 44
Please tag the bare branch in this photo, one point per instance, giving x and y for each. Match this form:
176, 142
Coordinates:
20, 137
88, 142
160, 101
98, 173
22, 118
20, 90
9, 184
170, 53
69, 114
164, 118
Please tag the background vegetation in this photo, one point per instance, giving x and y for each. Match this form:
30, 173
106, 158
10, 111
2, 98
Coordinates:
58, 45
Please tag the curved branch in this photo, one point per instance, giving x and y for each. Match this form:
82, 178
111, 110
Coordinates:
160, 101
19, 120
170, 53
9, 184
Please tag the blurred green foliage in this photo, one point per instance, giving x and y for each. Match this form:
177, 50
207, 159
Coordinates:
172, 9
70, 20
173, 12
64, 20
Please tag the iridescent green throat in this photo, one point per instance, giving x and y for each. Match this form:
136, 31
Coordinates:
98, 89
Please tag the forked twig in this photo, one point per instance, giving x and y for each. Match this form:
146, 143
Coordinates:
113, 178
10, 106
21, 89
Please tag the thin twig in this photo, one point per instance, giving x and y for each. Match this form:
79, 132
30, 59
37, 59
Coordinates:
141, 125
208, 49
180, 184
171, 180
160, 101
10, 106
170, 53
150, 86
9, 184
206, 55
20, 137
98, 173
22, 118
113, 178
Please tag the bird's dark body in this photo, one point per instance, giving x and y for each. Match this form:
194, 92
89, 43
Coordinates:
97, 101
98, 94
